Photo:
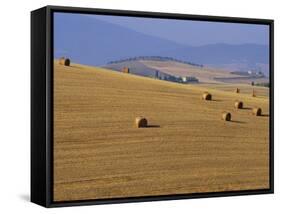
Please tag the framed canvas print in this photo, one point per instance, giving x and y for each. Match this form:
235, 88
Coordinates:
133, 106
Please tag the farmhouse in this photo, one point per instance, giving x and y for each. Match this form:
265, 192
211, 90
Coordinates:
189, 79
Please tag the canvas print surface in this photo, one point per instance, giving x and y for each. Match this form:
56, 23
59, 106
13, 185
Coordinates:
153, 107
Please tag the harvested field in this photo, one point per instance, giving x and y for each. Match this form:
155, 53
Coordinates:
187, 147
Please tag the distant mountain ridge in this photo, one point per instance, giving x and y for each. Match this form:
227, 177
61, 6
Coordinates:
249, 55
94, 42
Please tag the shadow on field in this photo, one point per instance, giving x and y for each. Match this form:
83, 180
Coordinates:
152, 126
237, 121
246, 108
74, 66
264, 115
216, 100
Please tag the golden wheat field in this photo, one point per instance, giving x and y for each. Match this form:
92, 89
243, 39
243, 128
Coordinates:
187, 147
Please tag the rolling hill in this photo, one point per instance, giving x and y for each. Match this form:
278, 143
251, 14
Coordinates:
147, 66
98, 153
136, 67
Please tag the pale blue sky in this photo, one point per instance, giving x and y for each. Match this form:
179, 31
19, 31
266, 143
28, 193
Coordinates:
194, 33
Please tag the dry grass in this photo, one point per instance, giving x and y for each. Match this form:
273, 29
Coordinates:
99, 154
180, 69
204, 74
261, 92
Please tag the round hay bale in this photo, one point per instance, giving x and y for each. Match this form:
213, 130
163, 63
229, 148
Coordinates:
254, 93
257, 111
206, 96
141, 122
61, 60
226, 116
126, 70
237, 90
64, 61
238, 104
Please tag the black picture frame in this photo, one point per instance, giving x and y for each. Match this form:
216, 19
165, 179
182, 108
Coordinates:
42, 105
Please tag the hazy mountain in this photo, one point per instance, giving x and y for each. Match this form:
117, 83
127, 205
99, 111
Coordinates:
90, 41
94, 42
245, 56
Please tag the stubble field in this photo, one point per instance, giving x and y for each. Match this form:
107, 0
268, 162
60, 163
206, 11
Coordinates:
187, 148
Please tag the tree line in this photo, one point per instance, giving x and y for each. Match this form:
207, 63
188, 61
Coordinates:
155, 58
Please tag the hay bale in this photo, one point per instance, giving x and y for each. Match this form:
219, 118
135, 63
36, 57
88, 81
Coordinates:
257, 111
226, 116
64, 61
61, 60
237, 90
206, 96
140, 122
254, 93
238, 104
126, 70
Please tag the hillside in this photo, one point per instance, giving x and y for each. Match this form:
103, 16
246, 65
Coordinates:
148, 67
136, 67
98, 153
